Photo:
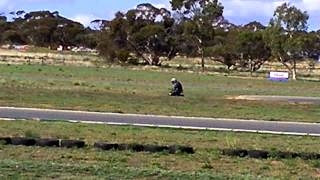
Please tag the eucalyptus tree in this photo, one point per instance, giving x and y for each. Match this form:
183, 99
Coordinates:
9, 30
198, 18
252, 50
284, 36
45, 28
224, 49
240, 48
145, 32
152, 34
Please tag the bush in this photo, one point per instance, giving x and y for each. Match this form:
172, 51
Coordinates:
133, 61
122, 55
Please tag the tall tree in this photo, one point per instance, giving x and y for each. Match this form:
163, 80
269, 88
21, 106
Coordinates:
283, 36
146, 31
69, 33
198, 18
151, 33
43, 28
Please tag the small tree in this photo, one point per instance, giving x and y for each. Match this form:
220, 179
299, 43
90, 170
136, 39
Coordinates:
224, 49
283, 36
252, 50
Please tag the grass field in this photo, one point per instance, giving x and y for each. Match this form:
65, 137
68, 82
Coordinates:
18, 162
125, 90
143, 91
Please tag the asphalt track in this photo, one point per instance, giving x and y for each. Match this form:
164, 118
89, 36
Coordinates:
237, 125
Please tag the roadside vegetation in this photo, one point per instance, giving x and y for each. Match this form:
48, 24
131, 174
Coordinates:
207, 162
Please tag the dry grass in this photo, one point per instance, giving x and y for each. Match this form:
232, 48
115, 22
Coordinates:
49, 57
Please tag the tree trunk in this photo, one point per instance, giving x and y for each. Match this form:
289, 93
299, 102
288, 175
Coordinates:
201, 51
155, 60
294, 71
294, 74
202, 60
250, 67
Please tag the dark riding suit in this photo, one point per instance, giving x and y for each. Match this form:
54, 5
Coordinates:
177, 89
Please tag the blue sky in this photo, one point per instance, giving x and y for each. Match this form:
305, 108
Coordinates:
236, 11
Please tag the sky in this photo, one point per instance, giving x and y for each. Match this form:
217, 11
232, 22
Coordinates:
239, 12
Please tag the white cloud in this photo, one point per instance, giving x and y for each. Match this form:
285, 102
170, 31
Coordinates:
310, 5
5, 5
84, 19
250, 8
263, 7
162, 6
244, 11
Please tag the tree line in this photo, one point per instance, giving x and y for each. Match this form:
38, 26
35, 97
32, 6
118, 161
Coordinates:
44, 29
191, 28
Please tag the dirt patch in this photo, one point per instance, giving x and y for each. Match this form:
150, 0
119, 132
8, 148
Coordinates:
290, 99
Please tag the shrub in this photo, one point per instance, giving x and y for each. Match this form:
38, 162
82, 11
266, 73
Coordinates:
122, 55
133, 61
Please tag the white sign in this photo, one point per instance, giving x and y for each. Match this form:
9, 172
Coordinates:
279, 76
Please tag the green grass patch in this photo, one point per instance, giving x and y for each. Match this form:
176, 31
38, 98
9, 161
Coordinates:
145, 92
18, 162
